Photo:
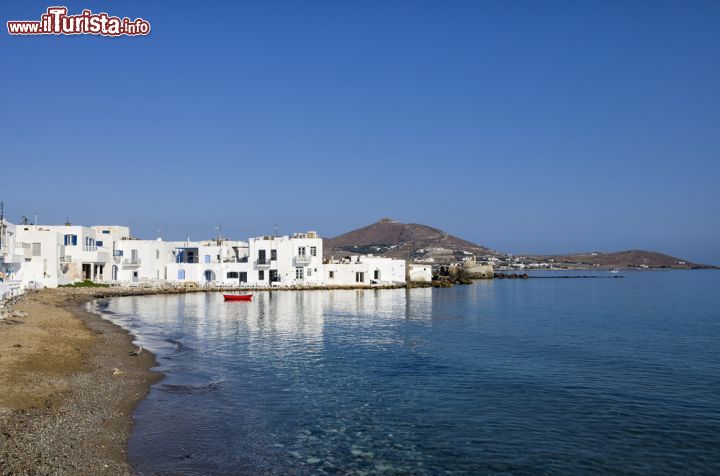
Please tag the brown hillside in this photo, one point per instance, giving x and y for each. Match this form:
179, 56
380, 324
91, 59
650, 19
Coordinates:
392, 238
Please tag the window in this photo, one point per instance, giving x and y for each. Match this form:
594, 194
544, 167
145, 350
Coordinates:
157, 254
301, 251
273, 255
261, 275
118, 253
207, 258
298, 273
332, 274
99, 243
261, 256
243, 276
36, 249
313, 251
359, 277
309, 272
233, 275
106, 232
376, 274
181, 274
70, 240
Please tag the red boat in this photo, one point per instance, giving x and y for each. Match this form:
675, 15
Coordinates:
238, 297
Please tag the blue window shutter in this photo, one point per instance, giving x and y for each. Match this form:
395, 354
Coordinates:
74, 240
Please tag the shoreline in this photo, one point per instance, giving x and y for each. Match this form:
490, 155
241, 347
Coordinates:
68, 387
69, 383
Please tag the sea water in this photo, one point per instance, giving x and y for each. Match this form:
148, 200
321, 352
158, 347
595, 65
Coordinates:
548, 376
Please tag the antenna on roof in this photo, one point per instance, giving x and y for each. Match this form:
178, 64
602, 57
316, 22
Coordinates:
276, 229
36, 216
67, 221
24, 220
2, 211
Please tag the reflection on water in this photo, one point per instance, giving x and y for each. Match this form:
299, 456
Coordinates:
532, 376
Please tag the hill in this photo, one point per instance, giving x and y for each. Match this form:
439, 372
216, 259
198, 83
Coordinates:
424, 243
394, 239
624, 259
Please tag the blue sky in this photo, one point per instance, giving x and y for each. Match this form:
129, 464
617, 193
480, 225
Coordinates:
524, 126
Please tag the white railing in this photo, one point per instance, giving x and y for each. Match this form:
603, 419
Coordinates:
303, 260
262, 263
9, 290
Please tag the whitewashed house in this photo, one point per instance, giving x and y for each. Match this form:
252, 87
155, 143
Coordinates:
55, 255
85, 259
364, 270
11, 255
216, 261
419, 273
44, 261
141, 260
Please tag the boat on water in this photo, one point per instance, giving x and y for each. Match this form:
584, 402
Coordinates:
238, 297
614, 271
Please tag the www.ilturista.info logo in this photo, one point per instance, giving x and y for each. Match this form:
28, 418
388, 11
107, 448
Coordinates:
57, 22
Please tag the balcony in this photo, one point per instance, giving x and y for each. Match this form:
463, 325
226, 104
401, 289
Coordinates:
131, 262
263, 263
302, 260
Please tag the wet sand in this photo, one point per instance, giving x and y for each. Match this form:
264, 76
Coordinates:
68, 387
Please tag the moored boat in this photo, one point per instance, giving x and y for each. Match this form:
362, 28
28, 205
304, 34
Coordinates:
238, 297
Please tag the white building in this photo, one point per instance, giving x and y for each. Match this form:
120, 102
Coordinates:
141, 260
420, 273
264, 261
363, 270
55, 255
44, 261
11, 256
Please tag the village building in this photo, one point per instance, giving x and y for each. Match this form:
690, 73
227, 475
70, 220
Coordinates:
49, 256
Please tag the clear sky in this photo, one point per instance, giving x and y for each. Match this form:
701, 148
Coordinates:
552, 126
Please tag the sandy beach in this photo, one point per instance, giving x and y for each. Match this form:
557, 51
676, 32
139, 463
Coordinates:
68, 386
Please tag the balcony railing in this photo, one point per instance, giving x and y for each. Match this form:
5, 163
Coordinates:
302, 260
263, 263
131, 262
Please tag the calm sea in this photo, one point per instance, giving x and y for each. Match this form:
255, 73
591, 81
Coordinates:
538, 376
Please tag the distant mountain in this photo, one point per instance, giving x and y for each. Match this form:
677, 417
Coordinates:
394, 239
424, 243
624, 259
